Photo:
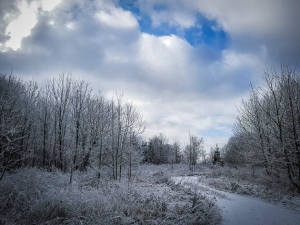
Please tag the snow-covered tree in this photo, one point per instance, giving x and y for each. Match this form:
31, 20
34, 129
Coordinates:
193, 150
64, 126
269, 125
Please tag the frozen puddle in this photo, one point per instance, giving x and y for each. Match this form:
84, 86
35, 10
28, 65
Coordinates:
237, 209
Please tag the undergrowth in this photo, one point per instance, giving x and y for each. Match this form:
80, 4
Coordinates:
243, 180
33, 196
253, 182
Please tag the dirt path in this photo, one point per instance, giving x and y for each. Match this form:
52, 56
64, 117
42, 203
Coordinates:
237, 209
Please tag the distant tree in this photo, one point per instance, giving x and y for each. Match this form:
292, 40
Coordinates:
216, 155
176, 152
234, 152
193, 150
158, 151
148, 153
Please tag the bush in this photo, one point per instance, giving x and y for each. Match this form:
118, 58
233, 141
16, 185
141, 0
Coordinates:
32, 196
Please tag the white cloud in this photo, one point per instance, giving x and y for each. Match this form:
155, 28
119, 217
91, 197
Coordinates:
249, 24
21, 26
49, 5
174, 13
234, 61
117, 18
237, 16
165, 59
178, 87
176, 19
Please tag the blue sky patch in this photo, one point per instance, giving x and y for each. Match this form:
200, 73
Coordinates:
204, 32
144, 20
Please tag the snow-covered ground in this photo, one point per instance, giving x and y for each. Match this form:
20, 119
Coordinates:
237, 209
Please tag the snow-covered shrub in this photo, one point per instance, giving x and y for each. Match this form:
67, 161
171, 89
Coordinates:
200, 209
251, 181
32, 196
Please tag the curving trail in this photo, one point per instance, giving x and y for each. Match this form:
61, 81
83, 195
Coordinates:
237, 209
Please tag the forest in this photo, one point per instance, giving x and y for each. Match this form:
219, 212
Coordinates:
70, 155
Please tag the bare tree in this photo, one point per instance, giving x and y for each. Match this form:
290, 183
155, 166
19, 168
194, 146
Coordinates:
176, 152
270, 124
99, 129
45, 111
80, 94
134, 125
64, 126
60, 94
193, 150
16, 121
125, 121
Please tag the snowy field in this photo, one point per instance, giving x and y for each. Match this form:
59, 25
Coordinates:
238, 209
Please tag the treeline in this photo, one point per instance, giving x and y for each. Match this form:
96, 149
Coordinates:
159, 151
267, 130
64, 125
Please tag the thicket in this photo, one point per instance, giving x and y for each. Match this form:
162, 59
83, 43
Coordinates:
64, 125
267, 131
34, 196
159, 151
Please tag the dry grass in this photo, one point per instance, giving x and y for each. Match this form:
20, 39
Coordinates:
32, 196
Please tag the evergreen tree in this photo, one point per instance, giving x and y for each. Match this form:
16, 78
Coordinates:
216, 156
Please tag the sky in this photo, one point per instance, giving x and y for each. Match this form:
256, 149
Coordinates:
186, 64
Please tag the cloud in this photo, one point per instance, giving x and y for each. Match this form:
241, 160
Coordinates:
49, 5
116, 18
209, 118
21, 26
178, 86
19, 17
174, 13
253, 24
8, 12
250, 24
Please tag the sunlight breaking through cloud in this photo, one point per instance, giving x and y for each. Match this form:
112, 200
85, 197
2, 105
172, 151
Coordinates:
27, 19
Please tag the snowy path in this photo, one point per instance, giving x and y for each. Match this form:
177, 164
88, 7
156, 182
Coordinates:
237, 209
